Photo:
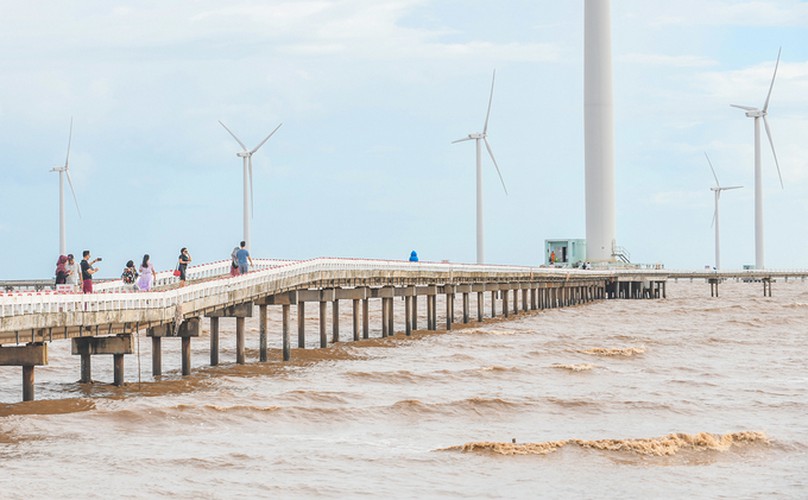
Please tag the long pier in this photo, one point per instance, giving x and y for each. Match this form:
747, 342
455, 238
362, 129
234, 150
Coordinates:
106, 322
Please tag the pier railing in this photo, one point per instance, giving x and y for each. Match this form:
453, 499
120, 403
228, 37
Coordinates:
271, 276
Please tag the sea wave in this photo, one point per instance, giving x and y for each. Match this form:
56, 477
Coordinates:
574, 368
626, 352
475, 405
493, 331
668, 445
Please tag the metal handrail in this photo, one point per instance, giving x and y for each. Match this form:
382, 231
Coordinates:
22, 303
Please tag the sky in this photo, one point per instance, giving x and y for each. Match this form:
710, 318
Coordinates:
371, 93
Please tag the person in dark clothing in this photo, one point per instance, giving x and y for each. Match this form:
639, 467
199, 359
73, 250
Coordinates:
87, 271
61, 270
182, 264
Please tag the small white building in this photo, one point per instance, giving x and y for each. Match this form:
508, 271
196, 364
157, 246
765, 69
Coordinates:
564, 253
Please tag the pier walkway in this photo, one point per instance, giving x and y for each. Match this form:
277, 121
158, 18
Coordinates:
104, 323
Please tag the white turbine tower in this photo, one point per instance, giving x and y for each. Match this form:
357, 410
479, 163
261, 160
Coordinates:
477, 137
64, 171
717, 190
757, 114
599, 132
246, 154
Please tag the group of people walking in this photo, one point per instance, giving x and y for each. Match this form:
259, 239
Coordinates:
141, 278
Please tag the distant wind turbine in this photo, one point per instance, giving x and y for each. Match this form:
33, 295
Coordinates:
482, 136
757, 114
64, 171
717, 190
246, 154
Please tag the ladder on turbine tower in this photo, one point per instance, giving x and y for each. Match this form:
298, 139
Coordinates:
620, 253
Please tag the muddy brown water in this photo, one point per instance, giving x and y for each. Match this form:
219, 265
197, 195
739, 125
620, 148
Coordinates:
688, 396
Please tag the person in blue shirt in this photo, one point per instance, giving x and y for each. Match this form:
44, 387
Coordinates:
243, 255
413, 256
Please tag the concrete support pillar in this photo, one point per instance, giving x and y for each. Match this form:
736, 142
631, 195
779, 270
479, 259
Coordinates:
27, 357
117, 346
214, 341
434, 299
449, 310
408, 315
125, 344
287, 348
28, 382
86, 369
365, 318
356, 314
117, 361
480, 305
391, 328
533, 305
385, 323
186, 356
301, 325
335, 321
262, 333
465, 307
504, 302
414, 309
240, 341
323, 336
156, 356
493, 304
430, 308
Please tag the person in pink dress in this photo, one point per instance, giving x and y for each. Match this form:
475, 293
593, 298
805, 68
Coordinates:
147, 274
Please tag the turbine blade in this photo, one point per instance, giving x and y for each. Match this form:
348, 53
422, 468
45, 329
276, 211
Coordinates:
768, 96
70, 183
771, 142
234, 136
462, 140
715, 214
490, 98
266, 139
252, 202
491, 153
69, 140
746, 108
730, 187
718, 184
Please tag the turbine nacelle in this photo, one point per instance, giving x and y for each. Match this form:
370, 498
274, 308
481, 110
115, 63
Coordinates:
750, 111
244, 154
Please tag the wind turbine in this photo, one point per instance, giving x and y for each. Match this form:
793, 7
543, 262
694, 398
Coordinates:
64, 171
483, 136
757, 114
246, 154
717, 190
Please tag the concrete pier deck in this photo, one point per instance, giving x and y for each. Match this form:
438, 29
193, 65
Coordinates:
103, 323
